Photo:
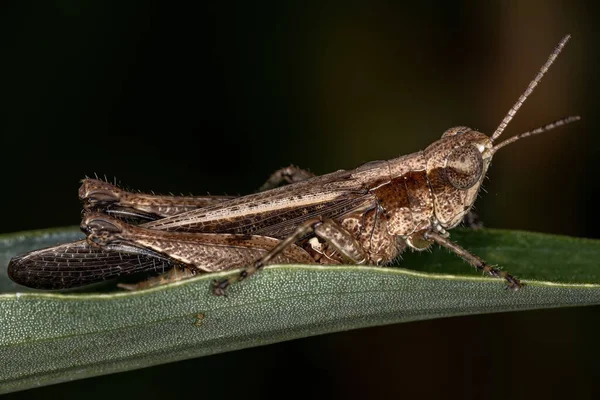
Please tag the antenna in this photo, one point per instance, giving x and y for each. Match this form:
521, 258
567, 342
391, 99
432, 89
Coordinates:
529, 90
535, 131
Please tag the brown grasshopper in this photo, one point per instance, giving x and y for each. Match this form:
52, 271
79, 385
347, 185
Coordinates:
364, 216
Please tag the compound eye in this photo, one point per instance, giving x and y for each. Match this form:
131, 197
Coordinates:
457, 130
464, 167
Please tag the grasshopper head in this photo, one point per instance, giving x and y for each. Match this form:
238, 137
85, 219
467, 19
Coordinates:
457, 163
456, 166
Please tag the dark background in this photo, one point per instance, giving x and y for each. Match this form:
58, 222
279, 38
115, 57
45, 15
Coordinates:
214, 97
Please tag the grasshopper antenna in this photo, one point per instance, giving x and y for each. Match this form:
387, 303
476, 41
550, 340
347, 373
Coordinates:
529, 90
535, 131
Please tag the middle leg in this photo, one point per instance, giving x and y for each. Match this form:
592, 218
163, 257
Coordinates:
291, 174
335, 235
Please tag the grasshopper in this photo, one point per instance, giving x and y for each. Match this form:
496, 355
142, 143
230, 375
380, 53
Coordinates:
368, 215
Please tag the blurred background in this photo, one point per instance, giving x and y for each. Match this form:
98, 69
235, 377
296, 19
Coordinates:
214, 97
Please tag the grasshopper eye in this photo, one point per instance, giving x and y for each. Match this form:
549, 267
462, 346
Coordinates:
464, 167
457, 130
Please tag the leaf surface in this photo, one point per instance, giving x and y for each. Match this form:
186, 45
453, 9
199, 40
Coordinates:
49, 337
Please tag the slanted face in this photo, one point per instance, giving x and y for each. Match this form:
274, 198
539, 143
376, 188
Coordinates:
456, 166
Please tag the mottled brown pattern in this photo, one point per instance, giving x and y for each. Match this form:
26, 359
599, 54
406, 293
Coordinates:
373, 173
464, 167
279, 211
409, 163
369, 239
447, 200
353, 223
452, 204
407, 203
368, 215
342, 241
375, 236
100, 195
204, 251
380, 206
419, 198
279, 223
370, 230
455, 130
393, 199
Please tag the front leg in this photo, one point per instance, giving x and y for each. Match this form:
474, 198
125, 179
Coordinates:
513, 283
335, 235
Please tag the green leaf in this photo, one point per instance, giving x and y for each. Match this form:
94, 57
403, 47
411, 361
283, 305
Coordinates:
48, 337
